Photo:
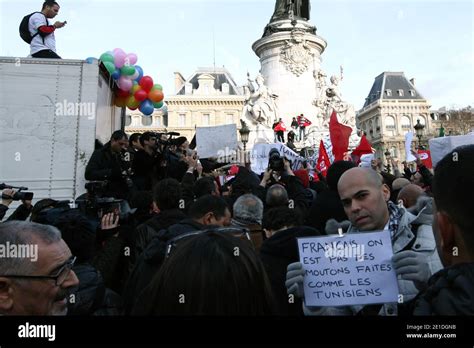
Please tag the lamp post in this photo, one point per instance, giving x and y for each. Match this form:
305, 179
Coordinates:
387, 155
244, 134
419, 132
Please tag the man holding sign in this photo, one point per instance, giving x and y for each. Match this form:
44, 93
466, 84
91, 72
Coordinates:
366, 203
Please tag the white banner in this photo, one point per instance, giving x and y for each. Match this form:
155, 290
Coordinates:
408, 140
260, 152
215, 141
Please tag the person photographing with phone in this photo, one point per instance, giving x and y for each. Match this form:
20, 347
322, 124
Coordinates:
43, 41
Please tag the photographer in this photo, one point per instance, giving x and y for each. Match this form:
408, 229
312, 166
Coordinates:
177, 165
109, 164
23, 210
146, 162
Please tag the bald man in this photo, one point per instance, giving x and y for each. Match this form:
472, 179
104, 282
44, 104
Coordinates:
366, 202
409, 195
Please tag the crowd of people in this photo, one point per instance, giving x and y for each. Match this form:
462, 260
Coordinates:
177, 239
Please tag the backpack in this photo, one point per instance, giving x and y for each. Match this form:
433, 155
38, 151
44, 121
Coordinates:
24, 28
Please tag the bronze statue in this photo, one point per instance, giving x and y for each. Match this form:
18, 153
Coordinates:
284, 9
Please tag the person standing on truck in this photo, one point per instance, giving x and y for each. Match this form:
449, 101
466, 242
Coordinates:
43, 44
108, 164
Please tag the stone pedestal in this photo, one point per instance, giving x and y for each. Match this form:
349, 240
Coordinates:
290, 56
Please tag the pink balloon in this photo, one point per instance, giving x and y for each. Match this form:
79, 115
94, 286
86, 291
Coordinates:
120, 59
118, 50
132, 58
125, 83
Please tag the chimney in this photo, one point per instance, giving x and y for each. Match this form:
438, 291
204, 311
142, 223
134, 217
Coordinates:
178, 82
412, 81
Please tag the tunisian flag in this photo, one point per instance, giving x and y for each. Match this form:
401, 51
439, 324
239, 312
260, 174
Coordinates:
339, 134
323, 160
425, 157
364, 148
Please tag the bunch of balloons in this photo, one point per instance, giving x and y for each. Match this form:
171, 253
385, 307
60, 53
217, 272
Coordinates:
135, 91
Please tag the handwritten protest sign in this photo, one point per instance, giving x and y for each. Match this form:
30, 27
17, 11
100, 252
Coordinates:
211, 141
260, 152
355, 269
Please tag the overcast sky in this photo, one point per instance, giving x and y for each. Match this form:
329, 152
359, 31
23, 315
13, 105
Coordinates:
431, 41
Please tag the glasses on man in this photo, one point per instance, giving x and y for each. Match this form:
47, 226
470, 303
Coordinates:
59, 278
238, 232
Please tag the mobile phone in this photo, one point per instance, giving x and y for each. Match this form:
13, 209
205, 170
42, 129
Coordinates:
109, 208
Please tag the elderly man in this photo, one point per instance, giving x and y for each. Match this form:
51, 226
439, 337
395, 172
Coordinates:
248, 213
415, 259
38, 280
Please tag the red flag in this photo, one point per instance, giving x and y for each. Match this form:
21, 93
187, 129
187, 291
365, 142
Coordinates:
323, 160
425, 157
339, 134
364, 148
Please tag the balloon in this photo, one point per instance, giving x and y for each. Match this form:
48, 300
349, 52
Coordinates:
132, 58
110, 67
156, 96
118, 50
116, 74
120, 59
122, 94
135, 88
127, 70
120, 102
140, 95
124, 83
106, 57
147, 83
132, 102
146, 107
158, 105
158, 87
135, 76
90, 60
140, 71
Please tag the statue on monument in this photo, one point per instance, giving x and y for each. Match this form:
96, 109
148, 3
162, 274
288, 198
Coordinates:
260, 106
286, 9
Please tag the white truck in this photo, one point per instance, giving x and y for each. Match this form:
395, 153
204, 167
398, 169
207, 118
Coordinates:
51, 113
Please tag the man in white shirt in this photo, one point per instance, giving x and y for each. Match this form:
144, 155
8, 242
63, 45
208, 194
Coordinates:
43, 44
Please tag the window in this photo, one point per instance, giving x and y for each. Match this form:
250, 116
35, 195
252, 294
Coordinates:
182, 120
412, 93
158, 121
147, 121
406, 124
400, 93
389, 92
390, 123
206, 119
128, 120
229, 118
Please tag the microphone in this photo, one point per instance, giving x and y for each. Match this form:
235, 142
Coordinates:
5, 186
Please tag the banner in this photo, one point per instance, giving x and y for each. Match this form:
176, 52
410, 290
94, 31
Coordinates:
214, 141
260, 152
408, 140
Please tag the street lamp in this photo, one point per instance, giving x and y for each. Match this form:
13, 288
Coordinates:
244, 134
419, 132
387, 155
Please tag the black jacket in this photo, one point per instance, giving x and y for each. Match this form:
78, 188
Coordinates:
107, 165
144, 169
450, 292
327, 205
150, 261
277, 253
92, 297
20, 213
146, 231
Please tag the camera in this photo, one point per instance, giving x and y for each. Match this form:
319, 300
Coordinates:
94, 205
19, 195
275, 161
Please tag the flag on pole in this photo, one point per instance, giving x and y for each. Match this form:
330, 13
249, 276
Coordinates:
323, 160
364, 148
339, 134
425, 157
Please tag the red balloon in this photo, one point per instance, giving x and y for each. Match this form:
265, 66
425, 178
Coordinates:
147, 83
122, 94
141, 95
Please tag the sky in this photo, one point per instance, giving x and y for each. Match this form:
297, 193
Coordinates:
429, 40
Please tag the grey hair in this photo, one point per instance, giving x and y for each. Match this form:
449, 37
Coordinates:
248, 208
277, 196
24, 233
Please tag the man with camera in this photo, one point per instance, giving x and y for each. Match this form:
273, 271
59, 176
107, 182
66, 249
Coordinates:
23, 210
112, 164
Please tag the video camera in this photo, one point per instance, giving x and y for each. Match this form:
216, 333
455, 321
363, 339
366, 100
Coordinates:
17, 196
275, 161
94, 205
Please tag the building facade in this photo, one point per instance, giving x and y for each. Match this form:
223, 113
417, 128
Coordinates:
392, 109
209, 97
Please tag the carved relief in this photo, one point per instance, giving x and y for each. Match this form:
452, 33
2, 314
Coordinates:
296, 54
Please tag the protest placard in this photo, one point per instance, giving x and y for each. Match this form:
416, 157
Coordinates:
213, 141
355, 269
